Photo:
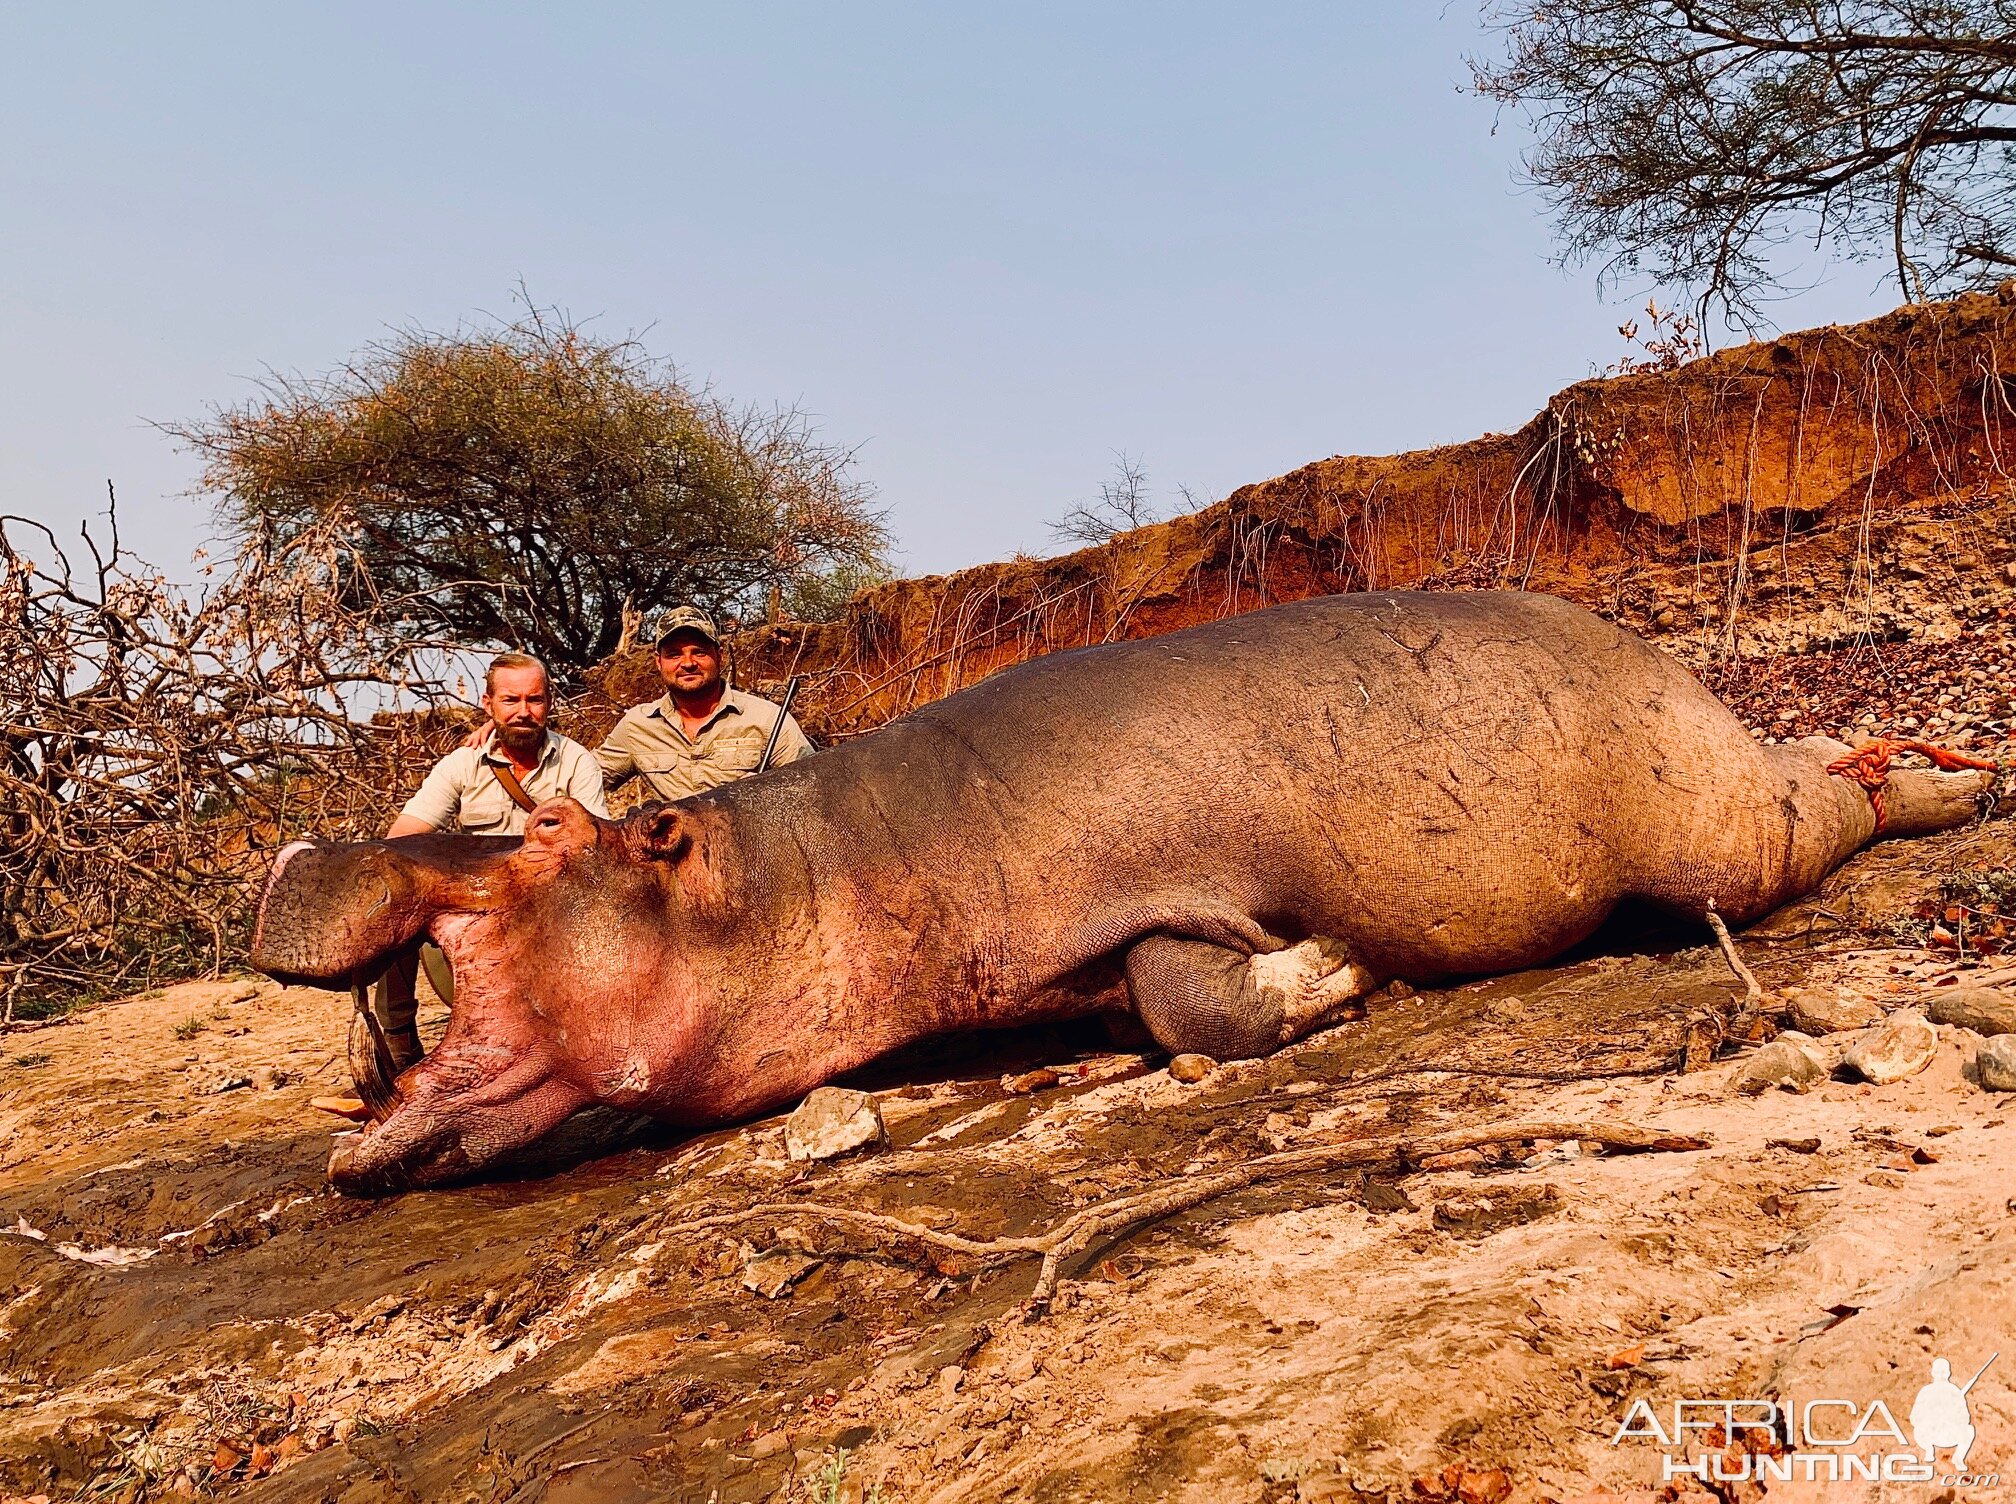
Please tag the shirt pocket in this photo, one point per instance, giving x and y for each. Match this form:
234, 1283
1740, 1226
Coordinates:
663, 762
486, 808
738, 754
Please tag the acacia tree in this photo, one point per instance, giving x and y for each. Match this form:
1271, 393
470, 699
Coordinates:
531, 486
1691, 141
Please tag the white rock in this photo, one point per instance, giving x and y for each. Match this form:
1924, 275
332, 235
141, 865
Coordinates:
832, 1121
1903, 1046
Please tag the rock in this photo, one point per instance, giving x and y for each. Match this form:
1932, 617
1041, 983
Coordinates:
775, 1270
1190, 1069
1903, 1046
1825, 1011
1020, 1369
1995, 1064
950, 1377
1796, 1145
1790, 1061
1040, 1079
832, 1121
768, 1445
1985, 1010
1488, 1487
1479, 1213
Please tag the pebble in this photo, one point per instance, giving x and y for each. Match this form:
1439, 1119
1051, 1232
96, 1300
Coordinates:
832, 1121
1995, 1063
1190, 1069
1903, 1046
1791, 1061
1982, 1009
768, 1445
1817, 1011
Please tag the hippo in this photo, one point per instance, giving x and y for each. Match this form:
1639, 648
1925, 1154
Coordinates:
1230, 832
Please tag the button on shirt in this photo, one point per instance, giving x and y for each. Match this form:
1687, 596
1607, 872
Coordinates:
463, 792
651, 742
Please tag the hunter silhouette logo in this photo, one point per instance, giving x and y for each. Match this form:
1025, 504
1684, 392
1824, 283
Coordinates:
1813, 1440
1939, 1416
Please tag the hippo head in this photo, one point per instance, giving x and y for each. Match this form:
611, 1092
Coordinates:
570, 988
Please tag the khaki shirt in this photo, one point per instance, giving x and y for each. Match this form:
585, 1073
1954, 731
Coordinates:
650, 742
464, 790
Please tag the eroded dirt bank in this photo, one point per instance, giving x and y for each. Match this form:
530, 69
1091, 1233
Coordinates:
183, 1304
1834, 486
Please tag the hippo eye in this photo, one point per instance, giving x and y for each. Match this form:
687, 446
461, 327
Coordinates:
546, 822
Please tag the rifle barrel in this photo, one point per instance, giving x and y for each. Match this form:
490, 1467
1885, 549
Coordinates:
783, 711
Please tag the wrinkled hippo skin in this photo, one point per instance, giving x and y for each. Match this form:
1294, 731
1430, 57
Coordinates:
1229, 830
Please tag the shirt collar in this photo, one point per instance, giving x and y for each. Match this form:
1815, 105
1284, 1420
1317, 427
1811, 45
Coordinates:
731, 703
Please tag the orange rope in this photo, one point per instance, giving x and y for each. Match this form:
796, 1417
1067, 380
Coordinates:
1869, 766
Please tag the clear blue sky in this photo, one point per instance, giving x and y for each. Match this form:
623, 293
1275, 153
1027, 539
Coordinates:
989, 245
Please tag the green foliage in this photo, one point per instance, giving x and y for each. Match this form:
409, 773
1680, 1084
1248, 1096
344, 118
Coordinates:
822, 597
1690, 143
832, 1473
532, 486
190, 1027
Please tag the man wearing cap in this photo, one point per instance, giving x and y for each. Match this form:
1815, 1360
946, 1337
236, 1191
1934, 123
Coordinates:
485, 789
702, 733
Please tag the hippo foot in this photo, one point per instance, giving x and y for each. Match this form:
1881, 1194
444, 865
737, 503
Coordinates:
1196, 997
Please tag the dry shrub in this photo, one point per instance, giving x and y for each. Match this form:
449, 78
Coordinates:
157, 743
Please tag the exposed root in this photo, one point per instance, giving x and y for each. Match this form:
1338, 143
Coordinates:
1753, 994
1079, 1231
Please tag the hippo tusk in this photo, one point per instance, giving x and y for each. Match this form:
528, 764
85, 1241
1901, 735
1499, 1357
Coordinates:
371, 1065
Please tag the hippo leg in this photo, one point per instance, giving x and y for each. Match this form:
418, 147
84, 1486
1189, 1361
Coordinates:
1193, 995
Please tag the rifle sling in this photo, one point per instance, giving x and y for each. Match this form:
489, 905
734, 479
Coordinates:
509, 778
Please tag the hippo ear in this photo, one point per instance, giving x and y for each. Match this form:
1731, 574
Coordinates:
663, 834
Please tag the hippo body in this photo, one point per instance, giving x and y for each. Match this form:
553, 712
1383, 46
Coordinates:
1230, 831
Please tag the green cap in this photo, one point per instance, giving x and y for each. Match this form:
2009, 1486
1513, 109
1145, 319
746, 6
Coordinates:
686, 619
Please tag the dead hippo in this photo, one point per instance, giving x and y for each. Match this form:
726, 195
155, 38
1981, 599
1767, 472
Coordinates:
1248, 824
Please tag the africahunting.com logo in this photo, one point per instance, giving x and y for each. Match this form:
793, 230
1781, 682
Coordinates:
1817, 1440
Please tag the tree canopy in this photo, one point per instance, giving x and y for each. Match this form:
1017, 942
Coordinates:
1693, 142
528, 485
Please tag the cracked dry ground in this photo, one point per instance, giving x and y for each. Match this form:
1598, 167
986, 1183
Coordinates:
180, 1281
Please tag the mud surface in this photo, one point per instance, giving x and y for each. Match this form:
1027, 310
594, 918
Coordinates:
186, 1309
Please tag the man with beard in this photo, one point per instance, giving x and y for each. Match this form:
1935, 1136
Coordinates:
484, 790
489, 790
702, 732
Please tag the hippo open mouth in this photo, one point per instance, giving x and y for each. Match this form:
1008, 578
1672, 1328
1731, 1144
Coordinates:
512, 916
